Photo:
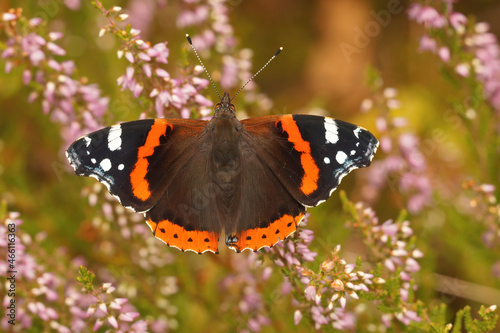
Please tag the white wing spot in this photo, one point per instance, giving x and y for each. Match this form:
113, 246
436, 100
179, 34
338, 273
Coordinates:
341, 157
105, 164
93, 160
331, 131
326, 160
356, 132
115, 138
121, 167
353, 152
87, 140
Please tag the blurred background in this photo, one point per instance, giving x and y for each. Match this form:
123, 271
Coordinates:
323, 70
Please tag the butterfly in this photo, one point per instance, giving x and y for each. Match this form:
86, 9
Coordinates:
253, 179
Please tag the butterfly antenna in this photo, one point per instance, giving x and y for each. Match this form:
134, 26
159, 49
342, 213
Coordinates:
258, 72
202, 65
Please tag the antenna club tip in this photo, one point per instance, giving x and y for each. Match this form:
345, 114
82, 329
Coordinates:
278, 51
189, 39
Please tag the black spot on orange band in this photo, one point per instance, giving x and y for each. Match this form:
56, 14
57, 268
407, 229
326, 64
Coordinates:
257, 238
179, 237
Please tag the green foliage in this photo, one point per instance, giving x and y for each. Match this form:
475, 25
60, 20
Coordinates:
86, 278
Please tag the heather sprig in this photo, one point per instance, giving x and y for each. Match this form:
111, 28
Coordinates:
115, 313
212, 18
242, 288
403, 167
484, 208
145, 76
470, 58
47, 294
464, 46
324, 295
69, 100
393, 244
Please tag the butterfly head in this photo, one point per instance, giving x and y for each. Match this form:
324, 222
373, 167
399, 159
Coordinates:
224, 108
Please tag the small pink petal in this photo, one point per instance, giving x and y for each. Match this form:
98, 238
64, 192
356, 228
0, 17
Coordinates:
297, 317
444, 53
130, 57
113, 322
9, 16
35, 21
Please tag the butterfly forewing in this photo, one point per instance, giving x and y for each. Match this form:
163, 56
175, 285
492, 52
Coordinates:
136, 160
310, 154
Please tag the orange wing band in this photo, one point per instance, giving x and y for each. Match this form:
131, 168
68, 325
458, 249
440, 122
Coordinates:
254, 239
311, 170
176, 236
140, 186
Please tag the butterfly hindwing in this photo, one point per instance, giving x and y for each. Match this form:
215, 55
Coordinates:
310, 154
264, 211
186, 216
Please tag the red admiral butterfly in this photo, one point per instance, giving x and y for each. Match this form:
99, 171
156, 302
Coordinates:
252, 178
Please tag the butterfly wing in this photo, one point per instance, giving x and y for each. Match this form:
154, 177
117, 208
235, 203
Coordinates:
137, 160
186, 216
310, 154
265, 211
140, 163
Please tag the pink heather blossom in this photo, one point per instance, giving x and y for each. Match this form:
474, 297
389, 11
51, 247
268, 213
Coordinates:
444, 54
430, 17
143, 14
458, 22
229, 73
310, 292
297, 317
427, 44
9, 17
73, 4
463, 69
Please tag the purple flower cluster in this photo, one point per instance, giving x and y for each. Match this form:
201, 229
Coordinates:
404, 165
243, 290
390, 242
69, 101
145, 76
473, 39
212, 17
326, 292
51, 298
481, 204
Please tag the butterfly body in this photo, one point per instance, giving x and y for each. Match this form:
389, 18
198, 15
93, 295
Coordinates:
252, 179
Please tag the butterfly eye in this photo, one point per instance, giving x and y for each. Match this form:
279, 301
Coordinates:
217, 105
232, 107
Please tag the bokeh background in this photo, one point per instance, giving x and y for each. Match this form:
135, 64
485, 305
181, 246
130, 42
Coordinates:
312, 75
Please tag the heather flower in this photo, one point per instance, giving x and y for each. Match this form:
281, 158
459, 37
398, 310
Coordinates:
404, 164
58, 88
484, 208
242, 287
146, 78
476, 41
